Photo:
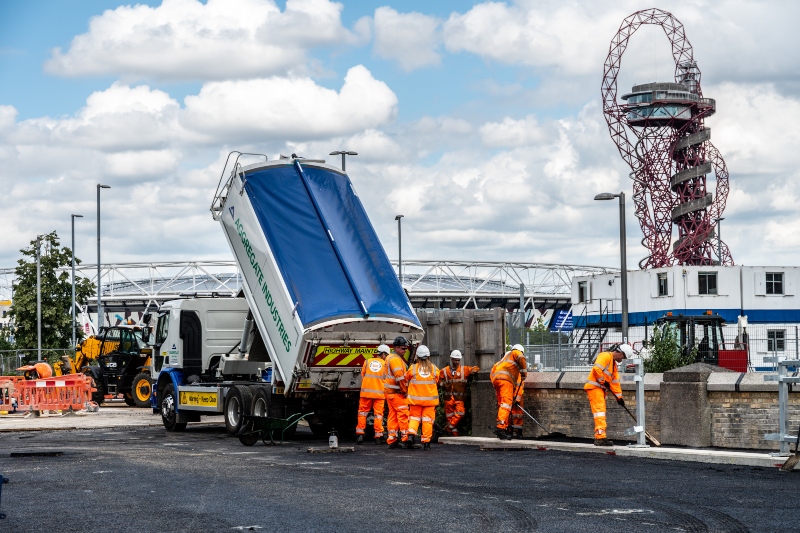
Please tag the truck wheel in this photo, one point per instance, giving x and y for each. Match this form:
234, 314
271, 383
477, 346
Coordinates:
142, 389
261, 401
129, 400
169, 416
237, 405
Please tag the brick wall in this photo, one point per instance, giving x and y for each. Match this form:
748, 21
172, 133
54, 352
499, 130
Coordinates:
739, 418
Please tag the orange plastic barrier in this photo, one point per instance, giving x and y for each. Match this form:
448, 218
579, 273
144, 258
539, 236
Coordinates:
59, 393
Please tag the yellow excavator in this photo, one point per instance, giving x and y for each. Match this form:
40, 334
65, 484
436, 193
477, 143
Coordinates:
118, 358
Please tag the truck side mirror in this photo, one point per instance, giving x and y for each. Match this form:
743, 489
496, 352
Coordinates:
146, 334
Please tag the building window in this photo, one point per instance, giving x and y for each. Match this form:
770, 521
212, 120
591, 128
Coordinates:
774, 282
663, 287
582, 291
776, 340
707, 282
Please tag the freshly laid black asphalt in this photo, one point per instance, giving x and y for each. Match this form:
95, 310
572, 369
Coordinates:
146, 479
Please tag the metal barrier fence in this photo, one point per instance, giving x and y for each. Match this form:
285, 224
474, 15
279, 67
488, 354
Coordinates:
565, 356
10, 360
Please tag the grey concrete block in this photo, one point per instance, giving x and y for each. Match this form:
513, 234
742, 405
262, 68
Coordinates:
722, 381
685, 414
573, 380
693, 373
653, 381
754, 382
542, 380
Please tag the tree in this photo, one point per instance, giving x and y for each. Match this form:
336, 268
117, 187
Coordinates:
56, 296
666, 352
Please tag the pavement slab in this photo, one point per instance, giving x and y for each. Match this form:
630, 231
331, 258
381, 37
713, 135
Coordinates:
693, 455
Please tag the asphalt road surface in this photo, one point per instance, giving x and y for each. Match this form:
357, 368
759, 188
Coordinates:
145, 479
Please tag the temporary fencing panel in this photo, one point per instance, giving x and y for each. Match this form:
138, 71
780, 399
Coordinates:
59, 393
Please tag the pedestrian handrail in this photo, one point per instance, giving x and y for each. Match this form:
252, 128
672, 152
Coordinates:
784, 380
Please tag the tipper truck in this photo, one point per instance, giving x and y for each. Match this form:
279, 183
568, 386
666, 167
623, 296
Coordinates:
319, 296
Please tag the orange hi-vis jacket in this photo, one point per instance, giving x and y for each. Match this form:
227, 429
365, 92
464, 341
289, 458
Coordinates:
422, 385
454, 382
509, 367
373, 372
604, 371
395, 381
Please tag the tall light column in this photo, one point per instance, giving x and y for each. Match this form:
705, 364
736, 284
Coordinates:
399, 249
343, 153
622, 256
99, 282
38, 297
73, 278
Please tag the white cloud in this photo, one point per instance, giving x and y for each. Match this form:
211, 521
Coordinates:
411, 39
511, 132
289, 108
190, 40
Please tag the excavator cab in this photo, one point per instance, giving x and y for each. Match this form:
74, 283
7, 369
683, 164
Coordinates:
123, 364
703, 331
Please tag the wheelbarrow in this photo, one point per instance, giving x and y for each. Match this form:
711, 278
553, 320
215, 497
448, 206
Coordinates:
263, 427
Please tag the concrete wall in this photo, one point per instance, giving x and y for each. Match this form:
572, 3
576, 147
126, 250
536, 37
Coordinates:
739, 415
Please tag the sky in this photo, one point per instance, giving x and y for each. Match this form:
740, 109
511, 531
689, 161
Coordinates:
480, 122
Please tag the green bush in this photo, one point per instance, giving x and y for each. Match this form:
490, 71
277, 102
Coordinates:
666, 352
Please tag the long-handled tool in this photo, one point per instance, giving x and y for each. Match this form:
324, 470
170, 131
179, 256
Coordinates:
792, 461
646, 433
556, 434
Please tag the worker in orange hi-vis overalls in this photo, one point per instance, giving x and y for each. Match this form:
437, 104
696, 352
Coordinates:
394, 387
506, 374
423, 397
453, 379
517, 416
605, 376
373, 372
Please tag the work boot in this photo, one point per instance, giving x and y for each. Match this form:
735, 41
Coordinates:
394, 445
380, 440
408, 444
603, 442
502, 434
360, 439
426, 446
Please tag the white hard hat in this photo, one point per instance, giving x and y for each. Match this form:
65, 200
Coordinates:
455, 354
423, 352
384, 349
519, 348
627, 350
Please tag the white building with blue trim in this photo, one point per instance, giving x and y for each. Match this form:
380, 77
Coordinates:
766, 296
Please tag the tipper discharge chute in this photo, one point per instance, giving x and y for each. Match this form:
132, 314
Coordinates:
318, 287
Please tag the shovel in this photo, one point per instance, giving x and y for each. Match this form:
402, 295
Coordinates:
790, 463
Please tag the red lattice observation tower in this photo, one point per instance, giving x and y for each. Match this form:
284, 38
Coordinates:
659, 131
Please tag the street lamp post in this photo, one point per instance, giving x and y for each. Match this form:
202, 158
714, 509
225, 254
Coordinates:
73, 278
343, 153
99, 302
622, 256
399, 249
719, 239
38, 297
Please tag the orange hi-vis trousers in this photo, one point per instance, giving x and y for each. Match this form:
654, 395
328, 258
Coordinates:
505, 399
365, 405
398, 418
425, 414
454, 411
597, 400
517, 416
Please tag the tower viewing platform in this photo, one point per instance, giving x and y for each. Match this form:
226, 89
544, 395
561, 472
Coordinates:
657, 104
